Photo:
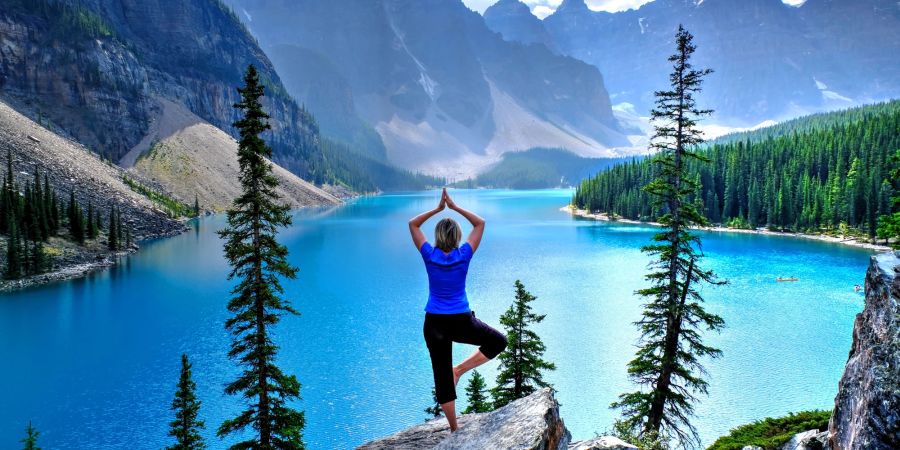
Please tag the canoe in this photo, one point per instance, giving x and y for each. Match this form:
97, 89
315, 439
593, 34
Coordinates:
787, 279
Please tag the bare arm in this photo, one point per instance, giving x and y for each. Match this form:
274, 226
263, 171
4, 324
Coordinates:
477, 222
415, 224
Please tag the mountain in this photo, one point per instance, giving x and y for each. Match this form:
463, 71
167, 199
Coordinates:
97, 69
771, 60
515, 22
827, 173
195, 161
446, 95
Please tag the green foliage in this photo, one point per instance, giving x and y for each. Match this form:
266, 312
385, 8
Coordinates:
807, 175
257, 261
771, 434
645, 441
521, 365
667, 365
364, 174
172, 207
112, 231
31, 436
889, 222
476, 394
540, 168
66, 20
434, 410
28, 219
186, 427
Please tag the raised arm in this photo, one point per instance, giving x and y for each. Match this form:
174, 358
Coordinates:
415, 224
477, 222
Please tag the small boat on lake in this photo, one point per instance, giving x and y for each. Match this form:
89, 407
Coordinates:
787, 279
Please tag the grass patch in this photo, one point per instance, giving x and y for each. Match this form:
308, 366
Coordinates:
172, 207
771, 433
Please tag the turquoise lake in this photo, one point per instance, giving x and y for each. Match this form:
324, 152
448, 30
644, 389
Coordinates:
93, 362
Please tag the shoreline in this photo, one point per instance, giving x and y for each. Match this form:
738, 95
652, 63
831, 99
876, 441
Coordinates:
83, 268
848, 241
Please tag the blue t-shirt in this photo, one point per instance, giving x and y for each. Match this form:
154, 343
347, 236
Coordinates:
447, 278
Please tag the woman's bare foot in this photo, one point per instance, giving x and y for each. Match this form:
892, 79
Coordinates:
457, 374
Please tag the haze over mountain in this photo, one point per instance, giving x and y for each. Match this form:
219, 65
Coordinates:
445, 94
772, 60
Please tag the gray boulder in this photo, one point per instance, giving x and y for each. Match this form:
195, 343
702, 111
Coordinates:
867, 407
530, 423
602, 443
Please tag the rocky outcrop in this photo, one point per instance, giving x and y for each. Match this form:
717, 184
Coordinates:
867, 407
530, 423
602, 443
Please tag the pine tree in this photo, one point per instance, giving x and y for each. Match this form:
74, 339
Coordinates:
521, 365
31, 436
128, 242
257, 262
92, 230
889, 223
186, 427
667, 365
196, 206
13, 252
476, 393
434, 410
112, 232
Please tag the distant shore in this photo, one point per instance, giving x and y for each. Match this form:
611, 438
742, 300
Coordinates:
843, 240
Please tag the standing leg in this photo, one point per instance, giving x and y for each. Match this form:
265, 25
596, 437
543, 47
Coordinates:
440, 349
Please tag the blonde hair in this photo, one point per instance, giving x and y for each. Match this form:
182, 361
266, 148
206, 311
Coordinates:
447, 234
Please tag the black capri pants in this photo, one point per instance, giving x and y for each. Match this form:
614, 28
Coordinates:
441, 331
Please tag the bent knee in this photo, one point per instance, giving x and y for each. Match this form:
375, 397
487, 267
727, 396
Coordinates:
495, 345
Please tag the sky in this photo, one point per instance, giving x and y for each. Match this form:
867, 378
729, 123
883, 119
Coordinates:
543, 8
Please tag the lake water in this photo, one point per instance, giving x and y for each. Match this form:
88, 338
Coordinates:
93, 362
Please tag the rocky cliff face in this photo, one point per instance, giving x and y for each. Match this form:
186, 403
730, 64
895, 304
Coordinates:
867, 407
95, 68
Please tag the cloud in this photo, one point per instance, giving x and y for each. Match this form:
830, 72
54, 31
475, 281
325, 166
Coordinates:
543, 8
541, 11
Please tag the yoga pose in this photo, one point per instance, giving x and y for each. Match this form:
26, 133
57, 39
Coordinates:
448, 318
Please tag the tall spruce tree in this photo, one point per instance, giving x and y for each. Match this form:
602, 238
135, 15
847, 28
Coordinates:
186, 426
31, 436
522, 365
257, 262
476, 394
667, 366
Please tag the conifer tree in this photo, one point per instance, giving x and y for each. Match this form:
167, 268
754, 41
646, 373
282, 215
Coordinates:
91, 224
186, 426
434, 410
196, 206
257, 262
667, 366
889, 224
31, 436
13, 252
522, 365
112, 233
476, 393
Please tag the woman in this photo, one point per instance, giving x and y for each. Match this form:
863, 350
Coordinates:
448, 318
